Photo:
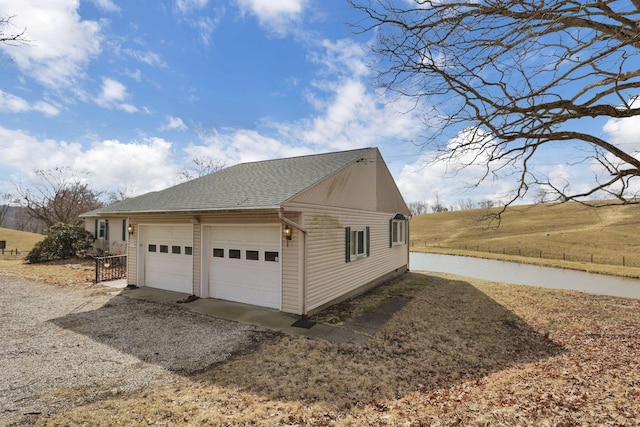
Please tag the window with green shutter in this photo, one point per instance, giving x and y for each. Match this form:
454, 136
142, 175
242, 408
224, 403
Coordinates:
357, 243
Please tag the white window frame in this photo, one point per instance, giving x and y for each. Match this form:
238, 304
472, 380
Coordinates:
399, 232
102, 229
356, 250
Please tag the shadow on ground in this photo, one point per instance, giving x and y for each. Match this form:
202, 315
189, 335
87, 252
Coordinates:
448, 333
171, 337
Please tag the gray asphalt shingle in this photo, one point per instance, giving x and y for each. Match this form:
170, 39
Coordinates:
255, 185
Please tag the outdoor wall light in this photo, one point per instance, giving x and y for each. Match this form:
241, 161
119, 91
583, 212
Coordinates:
130, 229
287, 232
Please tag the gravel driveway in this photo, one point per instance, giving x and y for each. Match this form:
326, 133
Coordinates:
65, 347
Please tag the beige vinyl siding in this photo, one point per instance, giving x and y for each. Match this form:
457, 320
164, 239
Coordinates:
329, 276
389, 198
197, 259
352, 187
132, 256
292, 278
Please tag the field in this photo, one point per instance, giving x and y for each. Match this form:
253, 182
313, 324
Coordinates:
19, 240
568, 235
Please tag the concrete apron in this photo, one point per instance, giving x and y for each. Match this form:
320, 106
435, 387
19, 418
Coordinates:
356, 332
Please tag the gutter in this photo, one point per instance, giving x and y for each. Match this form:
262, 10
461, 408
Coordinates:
303, 285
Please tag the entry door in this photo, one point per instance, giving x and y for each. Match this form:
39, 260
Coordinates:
244, 264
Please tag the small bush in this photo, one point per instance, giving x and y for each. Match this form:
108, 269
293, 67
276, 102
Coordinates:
64, 241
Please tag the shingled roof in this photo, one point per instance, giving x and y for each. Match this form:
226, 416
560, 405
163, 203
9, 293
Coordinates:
255, 185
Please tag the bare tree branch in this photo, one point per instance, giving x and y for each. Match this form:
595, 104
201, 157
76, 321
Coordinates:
200, 166
522, 73
14, 38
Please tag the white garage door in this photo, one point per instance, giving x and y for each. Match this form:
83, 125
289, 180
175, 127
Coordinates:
244, 264
168, 252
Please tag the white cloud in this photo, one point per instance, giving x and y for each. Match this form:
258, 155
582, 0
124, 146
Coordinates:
234, 146
194, 15
139, 166
106, 5
187, 6
343, 57
275, 15
350, 115
134, 74
173, 123
112, 90
26, 153
625, 132
112, 95
14, 104
148, 57
61, 43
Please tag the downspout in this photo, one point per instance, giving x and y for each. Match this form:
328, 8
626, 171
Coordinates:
303, 290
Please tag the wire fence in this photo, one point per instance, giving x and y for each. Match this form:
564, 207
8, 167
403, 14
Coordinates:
548, 253
13, 251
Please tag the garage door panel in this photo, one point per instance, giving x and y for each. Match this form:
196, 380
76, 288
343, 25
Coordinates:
168, 259
244, 279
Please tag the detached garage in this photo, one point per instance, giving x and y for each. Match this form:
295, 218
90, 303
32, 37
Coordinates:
293, 234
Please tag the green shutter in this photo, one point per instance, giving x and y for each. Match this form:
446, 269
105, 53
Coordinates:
124, 230
391, 233
95, 230
406, 232
367, 243
106, 230
347, 244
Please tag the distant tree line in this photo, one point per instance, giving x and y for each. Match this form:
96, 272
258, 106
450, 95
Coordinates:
422, 208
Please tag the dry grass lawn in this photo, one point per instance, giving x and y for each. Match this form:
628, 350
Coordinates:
77, 272
461, 352
20, 240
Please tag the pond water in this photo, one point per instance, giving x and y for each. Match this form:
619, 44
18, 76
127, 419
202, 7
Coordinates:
525, 274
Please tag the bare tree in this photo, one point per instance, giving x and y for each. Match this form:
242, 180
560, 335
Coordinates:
4, 207
200, 166
466, 204
437, 207
501, 80
60, 194
487, 204
117, 195
418, 208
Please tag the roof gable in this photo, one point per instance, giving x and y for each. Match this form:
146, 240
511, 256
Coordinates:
255, 185
365, 184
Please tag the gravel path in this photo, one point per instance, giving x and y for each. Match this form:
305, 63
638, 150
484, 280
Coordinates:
64, 347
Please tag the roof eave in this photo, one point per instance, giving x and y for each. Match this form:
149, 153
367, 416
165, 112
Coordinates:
252, 209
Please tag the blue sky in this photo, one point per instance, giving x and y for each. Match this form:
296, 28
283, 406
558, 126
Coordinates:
131, 91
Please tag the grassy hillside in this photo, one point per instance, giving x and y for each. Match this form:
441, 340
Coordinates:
570, 231
20, 240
